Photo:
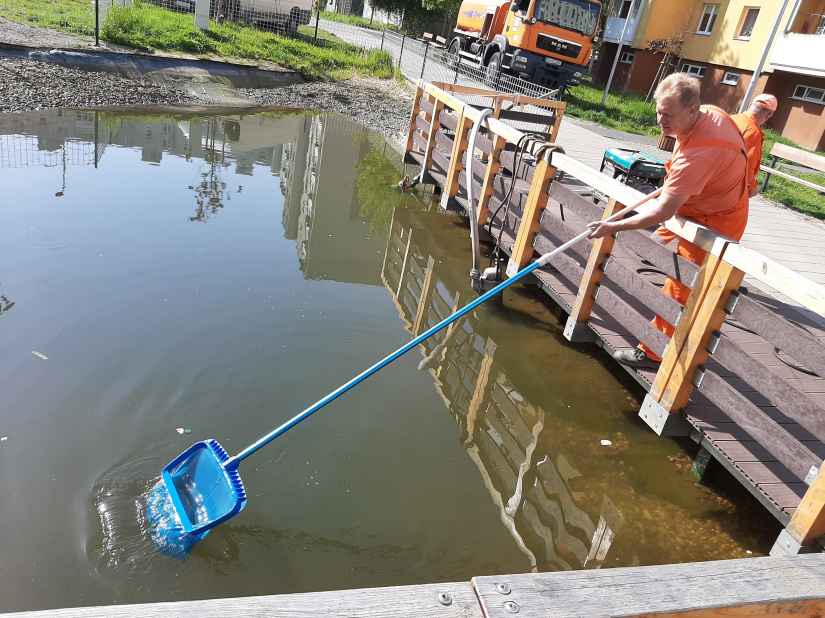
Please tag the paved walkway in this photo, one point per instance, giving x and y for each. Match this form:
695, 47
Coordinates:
789, 238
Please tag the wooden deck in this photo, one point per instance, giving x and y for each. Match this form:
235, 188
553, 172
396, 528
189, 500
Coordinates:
775, 586
746, 385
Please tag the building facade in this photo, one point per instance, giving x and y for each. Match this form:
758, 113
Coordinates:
721, 42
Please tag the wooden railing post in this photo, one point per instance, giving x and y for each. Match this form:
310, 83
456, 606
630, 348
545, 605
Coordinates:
487, 187
808, 521
576, 328
435, 125
459, 148
703, 315
419, 92
530, 220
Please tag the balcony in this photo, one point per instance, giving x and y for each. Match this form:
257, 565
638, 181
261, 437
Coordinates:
615, 25
799, 53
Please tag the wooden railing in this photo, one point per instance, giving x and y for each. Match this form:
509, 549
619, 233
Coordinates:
710, 381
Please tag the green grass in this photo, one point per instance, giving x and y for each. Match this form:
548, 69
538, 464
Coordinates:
355, 20
75, 16
787, 192
145, 26
623, 111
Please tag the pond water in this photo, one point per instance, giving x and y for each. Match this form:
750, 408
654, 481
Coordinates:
169, 279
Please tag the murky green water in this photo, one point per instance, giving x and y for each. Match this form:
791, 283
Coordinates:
167, 280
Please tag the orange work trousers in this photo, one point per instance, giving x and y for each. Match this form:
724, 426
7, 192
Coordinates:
730, 223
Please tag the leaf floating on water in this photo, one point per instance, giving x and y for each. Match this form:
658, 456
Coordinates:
40, 355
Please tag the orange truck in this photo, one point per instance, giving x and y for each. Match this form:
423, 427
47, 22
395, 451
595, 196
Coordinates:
547, 42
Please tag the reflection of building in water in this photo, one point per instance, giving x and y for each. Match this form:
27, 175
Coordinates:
533, 488
313, 156
35, 139
321, 206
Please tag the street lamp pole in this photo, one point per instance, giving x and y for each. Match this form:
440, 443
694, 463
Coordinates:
618, 51
758, 71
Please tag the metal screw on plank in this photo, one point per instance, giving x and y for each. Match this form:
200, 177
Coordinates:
444, 598
503, 589
511, 606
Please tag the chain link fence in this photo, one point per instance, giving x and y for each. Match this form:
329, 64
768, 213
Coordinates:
415, 58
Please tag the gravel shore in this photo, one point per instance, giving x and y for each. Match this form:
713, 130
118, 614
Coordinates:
26, 85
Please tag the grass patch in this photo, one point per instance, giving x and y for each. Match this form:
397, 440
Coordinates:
787, 192
356, 20
145, 26
75, 16
622, 111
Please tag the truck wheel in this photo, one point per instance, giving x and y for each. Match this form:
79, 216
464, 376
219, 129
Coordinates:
493, 69
453, 52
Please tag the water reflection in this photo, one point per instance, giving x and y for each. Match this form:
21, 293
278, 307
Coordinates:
560, 473
220, 273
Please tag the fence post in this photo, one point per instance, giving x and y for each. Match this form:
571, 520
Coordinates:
576, 328
383, 32
401, 53
463, 127
530, 220
424, 62
702, 316
317, 21
97, 23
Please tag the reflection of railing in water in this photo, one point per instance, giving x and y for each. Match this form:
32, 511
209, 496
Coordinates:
499, 427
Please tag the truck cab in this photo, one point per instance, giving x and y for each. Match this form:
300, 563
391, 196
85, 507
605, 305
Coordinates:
548, 42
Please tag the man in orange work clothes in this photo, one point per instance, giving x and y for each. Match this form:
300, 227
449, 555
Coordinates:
706, 181
749, 121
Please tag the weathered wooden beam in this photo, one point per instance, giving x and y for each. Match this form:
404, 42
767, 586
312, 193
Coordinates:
776, 586
576, 328
790, 283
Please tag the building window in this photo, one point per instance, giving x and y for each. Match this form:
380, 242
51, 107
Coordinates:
625, 10
731, 79
746, 23
708, 19
806, 93
694, 70
627, 57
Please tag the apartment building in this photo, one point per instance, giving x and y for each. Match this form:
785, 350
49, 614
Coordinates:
721, 42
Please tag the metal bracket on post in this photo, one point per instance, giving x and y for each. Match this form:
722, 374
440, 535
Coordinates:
578, 332
661, 421
786, 545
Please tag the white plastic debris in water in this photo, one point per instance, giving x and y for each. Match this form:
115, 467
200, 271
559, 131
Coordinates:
40, 355
4, 438
179, 429
606, 443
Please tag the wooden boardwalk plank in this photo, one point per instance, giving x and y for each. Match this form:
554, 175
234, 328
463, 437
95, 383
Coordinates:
750, 587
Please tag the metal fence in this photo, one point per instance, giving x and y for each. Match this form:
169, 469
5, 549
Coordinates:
415, 58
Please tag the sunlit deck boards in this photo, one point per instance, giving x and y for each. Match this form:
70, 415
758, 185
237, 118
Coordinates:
748, 384
779, 586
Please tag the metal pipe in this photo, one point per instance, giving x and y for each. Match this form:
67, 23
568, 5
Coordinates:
758, 71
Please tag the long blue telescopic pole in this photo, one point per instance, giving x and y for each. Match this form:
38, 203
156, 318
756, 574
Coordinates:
543, 260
